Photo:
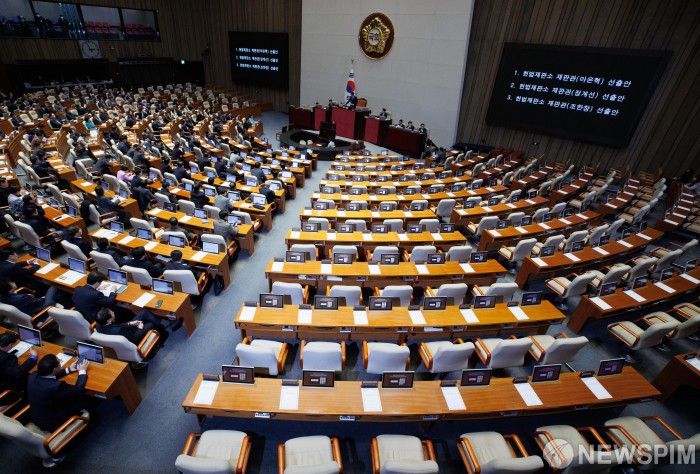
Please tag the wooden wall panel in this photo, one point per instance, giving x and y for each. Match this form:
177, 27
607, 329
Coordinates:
186, 27
668, 134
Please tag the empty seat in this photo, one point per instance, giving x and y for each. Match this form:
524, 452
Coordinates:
262, 354
454, 292
322, 355
557, 349
404, 293
297, 293
504, 291
488, 452
401, 454
310, 454
446, 356
502, 353
348, 295
380, 357
215, 452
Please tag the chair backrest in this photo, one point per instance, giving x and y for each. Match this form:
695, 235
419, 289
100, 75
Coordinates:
420, 253
451, 357
564, 350
103, 261
459, 252
614, 227
329, 202
122, 347
579, 285
687, 328
14, 315
322, 222
71, 323
112, 181
294, 290
641, 214
456, 291
505, 290
351, 294
578, 236
186, 206
430, 225
161, 199
597, 233
186, 279
666, 260
444, 207
385, 357
138, 275
12, 225
351, 249
539, 213
23, 437
55, 192
244, 216
360, 225
73, 250
322, 355
308, 249
172, 177
257, 356
137, 223
641, 269
28, 234
509, 353
558, 208
615, 273
402, 292
523, 249
654, 335
394, 225
488, 222
689, 245
553, 240
516, 218
383, 250
70, 200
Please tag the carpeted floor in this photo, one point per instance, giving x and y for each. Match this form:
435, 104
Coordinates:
150, 439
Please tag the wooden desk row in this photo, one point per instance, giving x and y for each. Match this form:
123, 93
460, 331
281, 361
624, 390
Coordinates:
362, 274
678, 214
336, 216
617, 204
111, 380
559, 264
176, 306
570, 190
398, 325
376, 199
462, 217
678, 372
532, 180
425, 402
424, 184
622, 302
129, 206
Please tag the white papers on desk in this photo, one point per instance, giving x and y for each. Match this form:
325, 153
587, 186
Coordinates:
408, 213
529, 201
684, 209
635, 296
690, 278
487, 209
206, 392
625, 244
471, 193
494, 232
304, 316
403, 237
565, 222
306, 212
664, 287
581, 216
450, 194
247, 313
695, 362
175, 190
426, 196
106, 233
575, 186
469, 315
289, 397
63, 359
491, 190
572, 257
645, 237
294, 234
326, 268
520, 229
331, 235
185, 218
466, 267
601, 251
539, 262
518, 313
366, 236
127, 239
341, 213
422, 270
600, 303
374, 270
277, 266
436, 236
375, 214
511, 205
371, 400
544, 226
70, 277
360, 317
416, 316
150, 245
596, 388
199, 256
143, 300
46, 268
21, 347
528, 394
155, 212
453, 398
678, 215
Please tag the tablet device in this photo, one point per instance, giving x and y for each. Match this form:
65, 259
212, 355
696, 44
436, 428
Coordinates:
531, 298
328, 303
475, 377
478, 257
176, 241
169, 206
238, 374
380, 303
610, 367
234, 220
73, 212
43, 254
546, 373
163, 286
76, 265
484, 302
210, 247
269, 300
29, 335
397, 379
117, 276
234, 196
116, 227
295, 257
318, 379
91, 352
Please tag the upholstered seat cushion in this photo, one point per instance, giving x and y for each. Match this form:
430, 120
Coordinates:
641, 432
544, 341
621, 330
399, 448
559, 285
322, 355
309, 454
490, 345
494, 455
576, 440
506, 252
217, 452
275, 346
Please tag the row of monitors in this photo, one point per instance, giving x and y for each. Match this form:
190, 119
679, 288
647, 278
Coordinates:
173, 240
86, 350
349, 228
404, 379
211, 192
292, 256
231, 195
639, 282
384, 303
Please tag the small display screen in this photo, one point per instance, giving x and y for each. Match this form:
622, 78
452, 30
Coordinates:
610, 367
318, 379
76, 265
237, 374
531, 299
259, 200
116, 227
482, 302
397, 380
29, 335
116, 276
436, 258
547, 251
608, 289
380, 303
144, 234
169, 206
210, 247
200, 214
380, 228
478, 257
343, 258
329, 303
176, 241
390, 259
91, 352
163, 286
639, 282
435, 303
475, 377
268, 300
295, 257
546, 373
43, 254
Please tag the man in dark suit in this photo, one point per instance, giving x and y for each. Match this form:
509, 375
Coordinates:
176, 155
180, 172
258, 172
75, 239
103, 247
13, 375
197, 196
27, 303
55, 123
351, 103
138, 259
102, 165
133, 330
18, 272
88, 299
53, 401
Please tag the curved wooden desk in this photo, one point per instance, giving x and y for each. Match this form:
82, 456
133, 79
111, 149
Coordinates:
677, 373
340, 215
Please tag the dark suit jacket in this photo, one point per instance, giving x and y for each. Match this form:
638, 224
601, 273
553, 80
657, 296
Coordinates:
132, 333
258, 173
13, 376
28, 304
17, 272
102, 165
88, 301
153, 269
53, 401
118, 257
84, 246
199, 199
180, 173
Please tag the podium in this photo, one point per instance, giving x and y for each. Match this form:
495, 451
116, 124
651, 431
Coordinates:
375, 130
349, 123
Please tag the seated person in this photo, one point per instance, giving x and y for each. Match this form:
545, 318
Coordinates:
138, 259
88, 299
40, 224
19, 272
133, 330
224, 229
27, 303
143, 196
166, 165
197, 196
103, 247
102, 164
105, 204
410, 126
13, 375
180, 171
174, 226
125, 174
222, 201
268, 193
73, 235
138, 179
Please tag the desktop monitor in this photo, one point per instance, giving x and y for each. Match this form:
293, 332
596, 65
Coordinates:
468, 205
73, 212
237, 374
29, 335
209, 191
409, 192
200, 214
607, 289
269, 300
234, 220
188, 187
435, 303
176, 241
328, 303
380, 303
414, 229
145, 234
501, 224
124, 194
91, 352
547, 251
353, 207
546, 373
210, 247
380, 228
163, 286
295, 257
397, 379
475, 377
76, 265
478, 257
436, 258
386, 207
310, 226
527, 220
484, 302
318, 379
43, 254
447, 228
259, 200
418, 206
116, 276
640, 282
234, 196
610, 367
390, 259
343, 258
346, 228
116, 227
170, 206
577, 246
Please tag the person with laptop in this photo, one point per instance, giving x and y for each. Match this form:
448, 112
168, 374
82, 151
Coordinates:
174, 226
13, 375
133, 330
180, 171
88, 300
28, 303
224, 229
19, 272
53, 401
258, 172
222, 201
73, 235
197, 196
103, 247
138, 259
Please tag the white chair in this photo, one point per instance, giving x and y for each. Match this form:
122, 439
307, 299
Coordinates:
614, 227
488, 222
186, 206
376, 256
419, 253
404, 293
555, 439
502, 353
262, 354
454, 292
515, 219
517, 254
215, 452
126, 350
593, 238
504, 291
565, 287
687, 247
613, 275
459, 253
636, 337
73, 251
401, 454
393, 225
188, 283
444, 209
577, 236
557, 349
359, 224
380, 357
351, 295
641, 267
430, 225
310, 250
665, 261
298, 294
322, 222
446, 356
310, 454
15, 316
489, 452
322, 355
71, 323
688, 315
138, 275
